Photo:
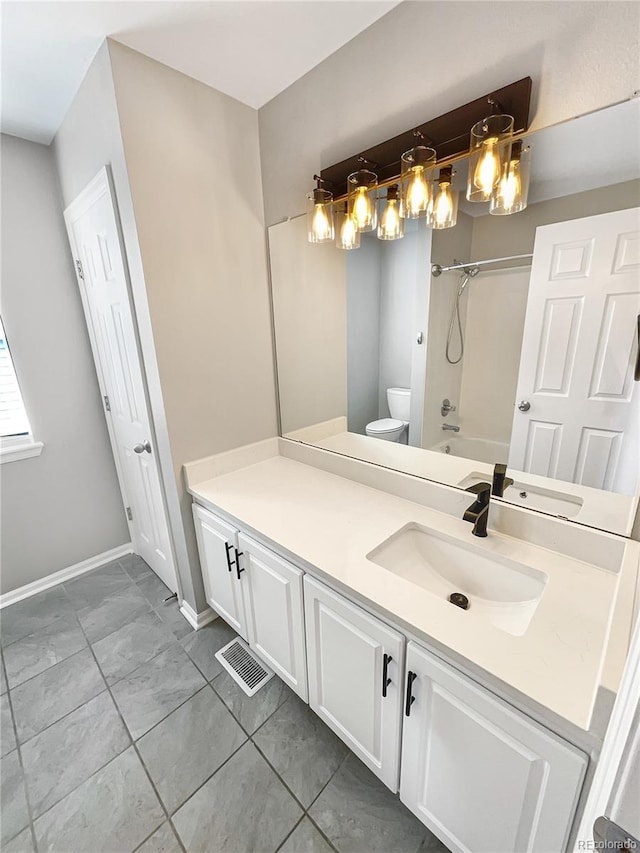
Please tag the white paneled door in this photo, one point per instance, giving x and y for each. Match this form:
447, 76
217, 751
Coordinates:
99, 261
577, 415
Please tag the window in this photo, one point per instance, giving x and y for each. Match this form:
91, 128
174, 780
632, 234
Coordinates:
16, 440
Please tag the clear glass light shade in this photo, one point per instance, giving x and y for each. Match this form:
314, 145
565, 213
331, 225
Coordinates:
347, 234
444, 213
488, 154
512, 192
390, 221
417, 167
320, 226
361, 199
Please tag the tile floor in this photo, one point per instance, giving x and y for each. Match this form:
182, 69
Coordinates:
121, 732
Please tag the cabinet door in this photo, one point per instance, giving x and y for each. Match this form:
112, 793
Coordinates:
217, 542
479, 774
346, 652
275, 617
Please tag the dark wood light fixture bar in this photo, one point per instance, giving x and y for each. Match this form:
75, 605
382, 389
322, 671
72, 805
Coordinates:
448, 134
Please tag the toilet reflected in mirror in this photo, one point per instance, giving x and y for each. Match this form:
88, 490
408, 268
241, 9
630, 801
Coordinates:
396, 427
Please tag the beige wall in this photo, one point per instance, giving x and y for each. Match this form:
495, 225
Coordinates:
425, 58
193, 162
64, 506
310, 317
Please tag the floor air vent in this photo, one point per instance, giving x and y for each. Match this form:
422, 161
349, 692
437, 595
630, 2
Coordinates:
243, 666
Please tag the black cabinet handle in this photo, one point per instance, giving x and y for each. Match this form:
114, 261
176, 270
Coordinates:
411, 677
238, 569
636, 375
228, 547
386, 660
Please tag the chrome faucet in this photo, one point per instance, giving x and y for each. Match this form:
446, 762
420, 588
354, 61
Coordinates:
450, 428
500, 480
478, 512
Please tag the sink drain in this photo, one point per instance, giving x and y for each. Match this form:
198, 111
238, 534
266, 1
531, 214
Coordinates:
459, 599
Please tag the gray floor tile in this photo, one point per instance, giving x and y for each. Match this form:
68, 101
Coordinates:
112, 613
301, 748
3, 680
185, 749
132, 645
202, 646
359, 814
63, 756
22, 843
244, 807
305, 838
42, 649
153, 590
7, 735
155, 689
251, 711
46, 698
21, 619
14, 815
172, 618
114, 810
431, 844
162, 841
135, 566
91, 589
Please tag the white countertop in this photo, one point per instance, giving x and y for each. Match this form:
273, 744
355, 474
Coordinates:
331, 523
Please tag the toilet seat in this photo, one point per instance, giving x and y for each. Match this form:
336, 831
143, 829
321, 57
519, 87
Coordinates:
385, 426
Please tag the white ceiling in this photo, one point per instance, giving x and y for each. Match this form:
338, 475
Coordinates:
249, 49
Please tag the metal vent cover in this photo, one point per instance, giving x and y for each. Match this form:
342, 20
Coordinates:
243, 666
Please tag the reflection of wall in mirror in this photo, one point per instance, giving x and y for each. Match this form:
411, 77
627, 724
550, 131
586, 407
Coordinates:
493, 310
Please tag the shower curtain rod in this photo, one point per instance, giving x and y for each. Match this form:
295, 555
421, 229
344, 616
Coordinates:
436, 269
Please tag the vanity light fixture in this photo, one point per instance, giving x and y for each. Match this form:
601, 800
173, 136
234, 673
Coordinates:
417, 167
511, 194
320, 225
390, 221
489, 152
445, 204
347, 234
361, 199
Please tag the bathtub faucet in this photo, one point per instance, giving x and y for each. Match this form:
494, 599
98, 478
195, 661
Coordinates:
450, 428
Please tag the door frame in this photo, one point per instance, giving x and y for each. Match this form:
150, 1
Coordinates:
102, 184
621, 728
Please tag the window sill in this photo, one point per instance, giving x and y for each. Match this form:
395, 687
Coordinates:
20, 450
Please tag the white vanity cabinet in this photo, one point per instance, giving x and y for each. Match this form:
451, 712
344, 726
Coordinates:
355, 665
218, 548
274, 611
482, 776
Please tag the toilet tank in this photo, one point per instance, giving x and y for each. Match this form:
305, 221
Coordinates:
399, 400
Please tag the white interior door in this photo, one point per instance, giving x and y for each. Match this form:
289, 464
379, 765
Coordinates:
579, 349
99, 261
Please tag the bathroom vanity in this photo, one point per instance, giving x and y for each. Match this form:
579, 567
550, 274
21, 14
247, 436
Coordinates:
338, 575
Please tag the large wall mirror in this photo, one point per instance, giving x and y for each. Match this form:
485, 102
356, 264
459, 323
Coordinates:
506, 339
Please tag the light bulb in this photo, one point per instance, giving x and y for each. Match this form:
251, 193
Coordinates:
391, 225
321, 225
362, 210
349, 236
487, 171
443, 208
510, 188
417, 193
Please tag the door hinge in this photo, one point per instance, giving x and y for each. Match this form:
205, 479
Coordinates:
107, 404
129, 514
79, 270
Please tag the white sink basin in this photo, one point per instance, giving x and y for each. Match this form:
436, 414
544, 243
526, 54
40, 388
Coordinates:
534, 497
500, 591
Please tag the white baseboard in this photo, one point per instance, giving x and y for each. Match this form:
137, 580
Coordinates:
63, 575
197, 620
